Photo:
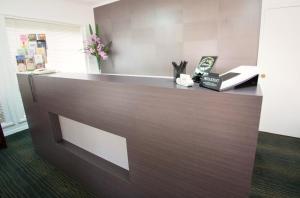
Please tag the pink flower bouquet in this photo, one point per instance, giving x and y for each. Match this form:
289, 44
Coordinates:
96, 47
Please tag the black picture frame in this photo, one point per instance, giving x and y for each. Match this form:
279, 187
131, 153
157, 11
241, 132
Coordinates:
205, 65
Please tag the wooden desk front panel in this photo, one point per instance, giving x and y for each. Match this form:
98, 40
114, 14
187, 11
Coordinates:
181, 143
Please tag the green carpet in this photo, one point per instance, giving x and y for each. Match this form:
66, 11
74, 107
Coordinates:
277, 167
23, 174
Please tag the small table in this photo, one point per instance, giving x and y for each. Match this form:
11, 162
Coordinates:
2, 139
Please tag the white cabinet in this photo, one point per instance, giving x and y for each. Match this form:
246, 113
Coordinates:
279, 60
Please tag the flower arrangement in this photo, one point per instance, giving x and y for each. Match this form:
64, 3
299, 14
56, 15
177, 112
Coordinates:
96, 47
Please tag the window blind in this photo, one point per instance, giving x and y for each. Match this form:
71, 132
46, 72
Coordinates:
64, 43
2, 118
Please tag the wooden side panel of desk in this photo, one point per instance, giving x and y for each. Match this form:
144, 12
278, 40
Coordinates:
2, 139
181, 143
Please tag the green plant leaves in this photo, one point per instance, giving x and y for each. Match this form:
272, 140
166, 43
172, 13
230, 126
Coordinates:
107, 47
97, 30
91, 29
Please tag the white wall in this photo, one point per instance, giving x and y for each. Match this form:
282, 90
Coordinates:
103, 2
52, 10
279, 61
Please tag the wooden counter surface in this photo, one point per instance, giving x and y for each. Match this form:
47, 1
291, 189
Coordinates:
148, 81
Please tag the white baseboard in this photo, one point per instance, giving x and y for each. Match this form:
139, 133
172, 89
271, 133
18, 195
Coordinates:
15, 129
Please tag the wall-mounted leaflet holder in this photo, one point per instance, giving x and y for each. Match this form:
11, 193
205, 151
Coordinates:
238, 77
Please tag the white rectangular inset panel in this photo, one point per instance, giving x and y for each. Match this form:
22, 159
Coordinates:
106, 145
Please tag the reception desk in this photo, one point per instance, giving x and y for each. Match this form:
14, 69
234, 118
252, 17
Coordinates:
173, 141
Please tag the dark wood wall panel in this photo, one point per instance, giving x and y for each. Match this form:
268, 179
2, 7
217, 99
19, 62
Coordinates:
181, 142
148, 35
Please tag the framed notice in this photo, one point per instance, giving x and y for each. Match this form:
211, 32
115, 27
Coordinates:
205, 66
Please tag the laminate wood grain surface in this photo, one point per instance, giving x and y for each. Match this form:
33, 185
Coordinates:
180, 142
148, 35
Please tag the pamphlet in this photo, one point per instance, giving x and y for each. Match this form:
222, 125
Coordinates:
41, 37
32, 45
21, 66
30, 64
39, 61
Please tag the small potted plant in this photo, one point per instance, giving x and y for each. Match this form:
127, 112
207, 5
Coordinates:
96, 47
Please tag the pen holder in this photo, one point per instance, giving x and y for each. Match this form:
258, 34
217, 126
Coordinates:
178, 72
179, 69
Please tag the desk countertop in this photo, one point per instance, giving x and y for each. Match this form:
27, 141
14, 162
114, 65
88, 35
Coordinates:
148, 81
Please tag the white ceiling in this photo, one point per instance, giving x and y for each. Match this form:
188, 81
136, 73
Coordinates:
88, 2
94, 3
